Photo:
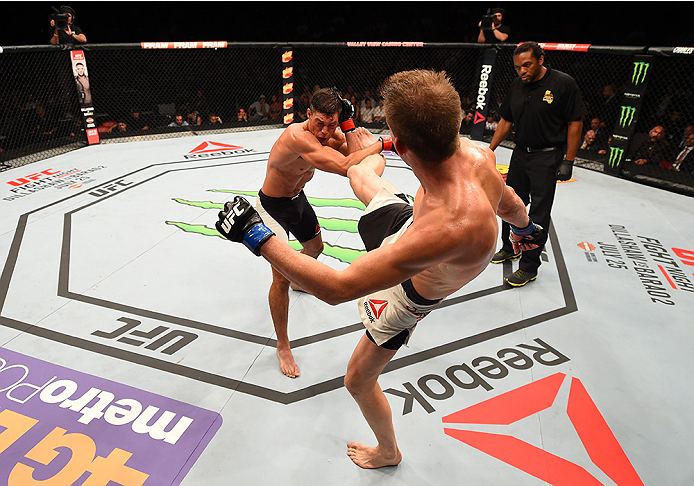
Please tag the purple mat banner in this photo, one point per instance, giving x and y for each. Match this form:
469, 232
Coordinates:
62, 427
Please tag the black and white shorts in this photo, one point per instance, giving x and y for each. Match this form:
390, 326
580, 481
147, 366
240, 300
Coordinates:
284, 215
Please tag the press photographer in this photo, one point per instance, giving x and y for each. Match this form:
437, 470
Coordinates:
491, 28
64, 32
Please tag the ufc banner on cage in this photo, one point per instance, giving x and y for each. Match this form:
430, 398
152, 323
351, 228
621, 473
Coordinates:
84, 94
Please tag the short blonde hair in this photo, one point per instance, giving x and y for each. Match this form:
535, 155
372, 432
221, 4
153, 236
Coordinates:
423, 110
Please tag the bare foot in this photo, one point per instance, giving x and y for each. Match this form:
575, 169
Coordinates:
287, 364
371, 457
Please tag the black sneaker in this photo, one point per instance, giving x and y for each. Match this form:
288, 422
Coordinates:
520, 278
503, 256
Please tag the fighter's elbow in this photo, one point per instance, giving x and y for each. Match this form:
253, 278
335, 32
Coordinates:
333, 296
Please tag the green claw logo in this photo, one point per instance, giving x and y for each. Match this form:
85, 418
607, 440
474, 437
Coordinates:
344, 254
639, 74
616, 154
627, 116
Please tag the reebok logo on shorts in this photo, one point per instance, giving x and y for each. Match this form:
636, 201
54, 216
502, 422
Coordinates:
374, 308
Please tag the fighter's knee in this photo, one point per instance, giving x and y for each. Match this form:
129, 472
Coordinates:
352, 384
279, 282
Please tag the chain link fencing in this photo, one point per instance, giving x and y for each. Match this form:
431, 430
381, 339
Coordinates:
154, 90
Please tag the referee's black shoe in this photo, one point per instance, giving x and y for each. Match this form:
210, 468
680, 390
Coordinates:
503, 256
520, 278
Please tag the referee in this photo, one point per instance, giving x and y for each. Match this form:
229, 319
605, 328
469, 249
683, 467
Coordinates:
546, 108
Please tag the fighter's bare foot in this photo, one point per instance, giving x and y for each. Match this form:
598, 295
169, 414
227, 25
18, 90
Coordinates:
372, 457
287, 364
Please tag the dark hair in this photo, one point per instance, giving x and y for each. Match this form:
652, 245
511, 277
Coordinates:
499, 10
531, 46
423, 110
327, 101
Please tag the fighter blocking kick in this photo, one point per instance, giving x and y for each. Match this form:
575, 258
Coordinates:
302, 148
417, 254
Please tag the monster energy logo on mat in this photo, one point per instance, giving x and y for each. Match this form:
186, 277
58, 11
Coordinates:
639, 74
627, 116
344, 254
615, 156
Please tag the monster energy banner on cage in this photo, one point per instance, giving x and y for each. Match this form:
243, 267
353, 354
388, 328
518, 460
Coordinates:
484, 89
628, 112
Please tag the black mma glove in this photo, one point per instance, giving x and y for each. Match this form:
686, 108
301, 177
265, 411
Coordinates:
387, 144
531, 234
347, 116
564, 170
240, 222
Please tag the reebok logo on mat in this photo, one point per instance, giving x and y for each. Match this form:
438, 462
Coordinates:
595, 435
207, 147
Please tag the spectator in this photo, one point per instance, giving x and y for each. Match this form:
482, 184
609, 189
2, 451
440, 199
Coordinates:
367, 97
589, 148
77, 127
367, 113
467, 124
121, 126
178, 122
260, 110
673, 125
495, 31
684, 162
654, 149
601, 132
242, 116
610, 107
136, 121
71, 34
379, 115
193, 118
688, 130
491, 124
275, 108
213, 119
199, 104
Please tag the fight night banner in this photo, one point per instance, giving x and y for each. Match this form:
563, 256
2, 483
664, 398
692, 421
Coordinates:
486, 71
628, 113
288, 85
84, 94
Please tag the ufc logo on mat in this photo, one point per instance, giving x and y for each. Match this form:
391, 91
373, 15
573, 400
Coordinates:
594, 433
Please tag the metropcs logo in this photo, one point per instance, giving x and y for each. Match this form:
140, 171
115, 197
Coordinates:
215, 149
594, 433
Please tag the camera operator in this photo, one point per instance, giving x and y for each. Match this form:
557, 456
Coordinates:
491, 28
64, 32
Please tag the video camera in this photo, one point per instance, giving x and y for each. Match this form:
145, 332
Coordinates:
62, 17
487, 21
488, 18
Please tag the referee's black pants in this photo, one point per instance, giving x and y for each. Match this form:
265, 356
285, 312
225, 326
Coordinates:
533, 177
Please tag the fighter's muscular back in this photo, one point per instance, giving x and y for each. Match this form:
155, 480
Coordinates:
295, 156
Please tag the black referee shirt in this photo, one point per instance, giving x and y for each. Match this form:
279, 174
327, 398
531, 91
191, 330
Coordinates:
541, 111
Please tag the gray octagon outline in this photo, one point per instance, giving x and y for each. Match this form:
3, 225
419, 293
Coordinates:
226, 382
